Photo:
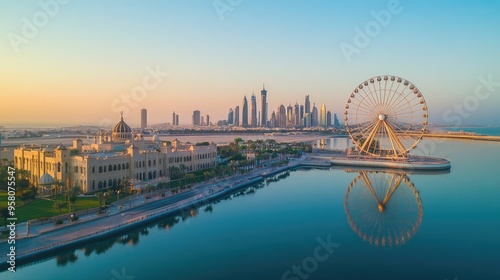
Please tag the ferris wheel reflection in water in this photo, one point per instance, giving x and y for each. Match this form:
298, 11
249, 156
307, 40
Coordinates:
383, 208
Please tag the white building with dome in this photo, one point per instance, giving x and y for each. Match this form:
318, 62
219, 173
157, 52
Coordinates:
112, 158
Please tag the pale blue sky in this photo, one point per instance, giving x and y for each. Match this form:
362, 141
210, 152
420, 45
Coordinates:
90, 53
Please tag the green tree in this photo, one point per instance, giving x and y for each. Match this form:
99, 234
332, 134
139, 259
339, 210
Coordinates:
101, 199
72, 197
59, 205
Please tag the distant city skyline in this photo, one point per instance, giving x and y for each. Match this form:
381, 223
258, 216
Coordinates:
180, 56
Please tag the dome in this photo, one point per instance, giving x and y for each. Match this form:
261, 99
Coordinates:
122, 127
122, 132
46, 179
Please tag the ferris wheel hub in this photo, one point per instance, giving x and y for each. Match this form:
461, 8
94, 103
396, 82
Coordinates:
382, 117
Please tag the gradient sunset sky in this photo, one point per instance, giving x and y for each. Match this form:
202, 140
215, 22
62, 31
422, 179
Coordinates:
79, 63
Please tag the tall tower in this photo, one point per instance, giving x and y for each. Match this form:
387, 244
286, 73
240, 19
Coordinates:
322, 115
281, 118
253, 110
237, 116
328, 118
173, 119
196, 117
263, 106
296, 114
208, 120
144, 118
289, 115
314, 116
244, 112
230, 116
307, 105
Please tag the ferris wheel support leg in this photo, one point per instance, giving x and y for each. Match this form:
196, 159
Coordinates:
370, 137
394, 137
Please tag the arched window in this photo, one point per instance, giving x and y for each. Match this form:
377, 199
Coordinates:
110, 168
93, 184
110, 183
93, 169
100, 169
104, 168
115, 183
123, 166
127, 165
58, 167
154, 174
99, 185
119, 167
149, 163
154, 162
114, 167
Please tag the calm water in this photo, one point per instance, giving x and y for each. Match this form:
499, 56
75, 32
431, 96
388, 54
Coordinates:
443, 226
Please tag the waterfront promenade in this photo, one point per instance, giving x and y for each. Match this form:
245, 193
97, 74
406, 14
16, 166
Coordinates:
126, 214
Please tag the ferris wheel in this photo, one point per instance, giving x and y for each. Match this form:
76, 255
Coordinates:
383, 209
386, 116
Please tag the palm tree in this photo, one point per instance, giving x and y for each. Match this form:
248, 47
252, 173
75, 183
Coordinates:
101, 199
58, 185
72, 196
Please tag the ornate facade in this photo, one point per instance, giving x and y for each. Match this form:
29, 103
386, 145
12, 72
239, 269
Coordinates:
109, 160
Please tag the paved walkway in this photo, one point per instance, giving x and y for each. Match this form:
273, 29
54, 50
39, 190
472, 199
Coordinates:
135, 209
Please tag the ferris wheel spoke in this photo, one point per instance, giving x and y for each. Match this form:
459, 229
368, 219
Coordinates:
363, 130
368, 184
370, 137
376, 94
402, 98
368, 98
392, 188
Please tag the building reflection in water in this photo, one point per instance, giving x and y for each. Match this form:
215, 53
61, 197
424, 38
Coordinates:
383, 208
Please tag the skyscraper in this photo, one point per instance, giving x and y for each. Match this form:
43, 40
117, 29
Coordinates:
273, 122
176, 119
281, 117
173, 119
144, 118
322, 115
244, 112
296, 115
307, 105
253, 110
314, 116
301, 114
237, 116
263, 106
230, 116
335, 120
328, 118
196, 117
208, 120
289, 115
